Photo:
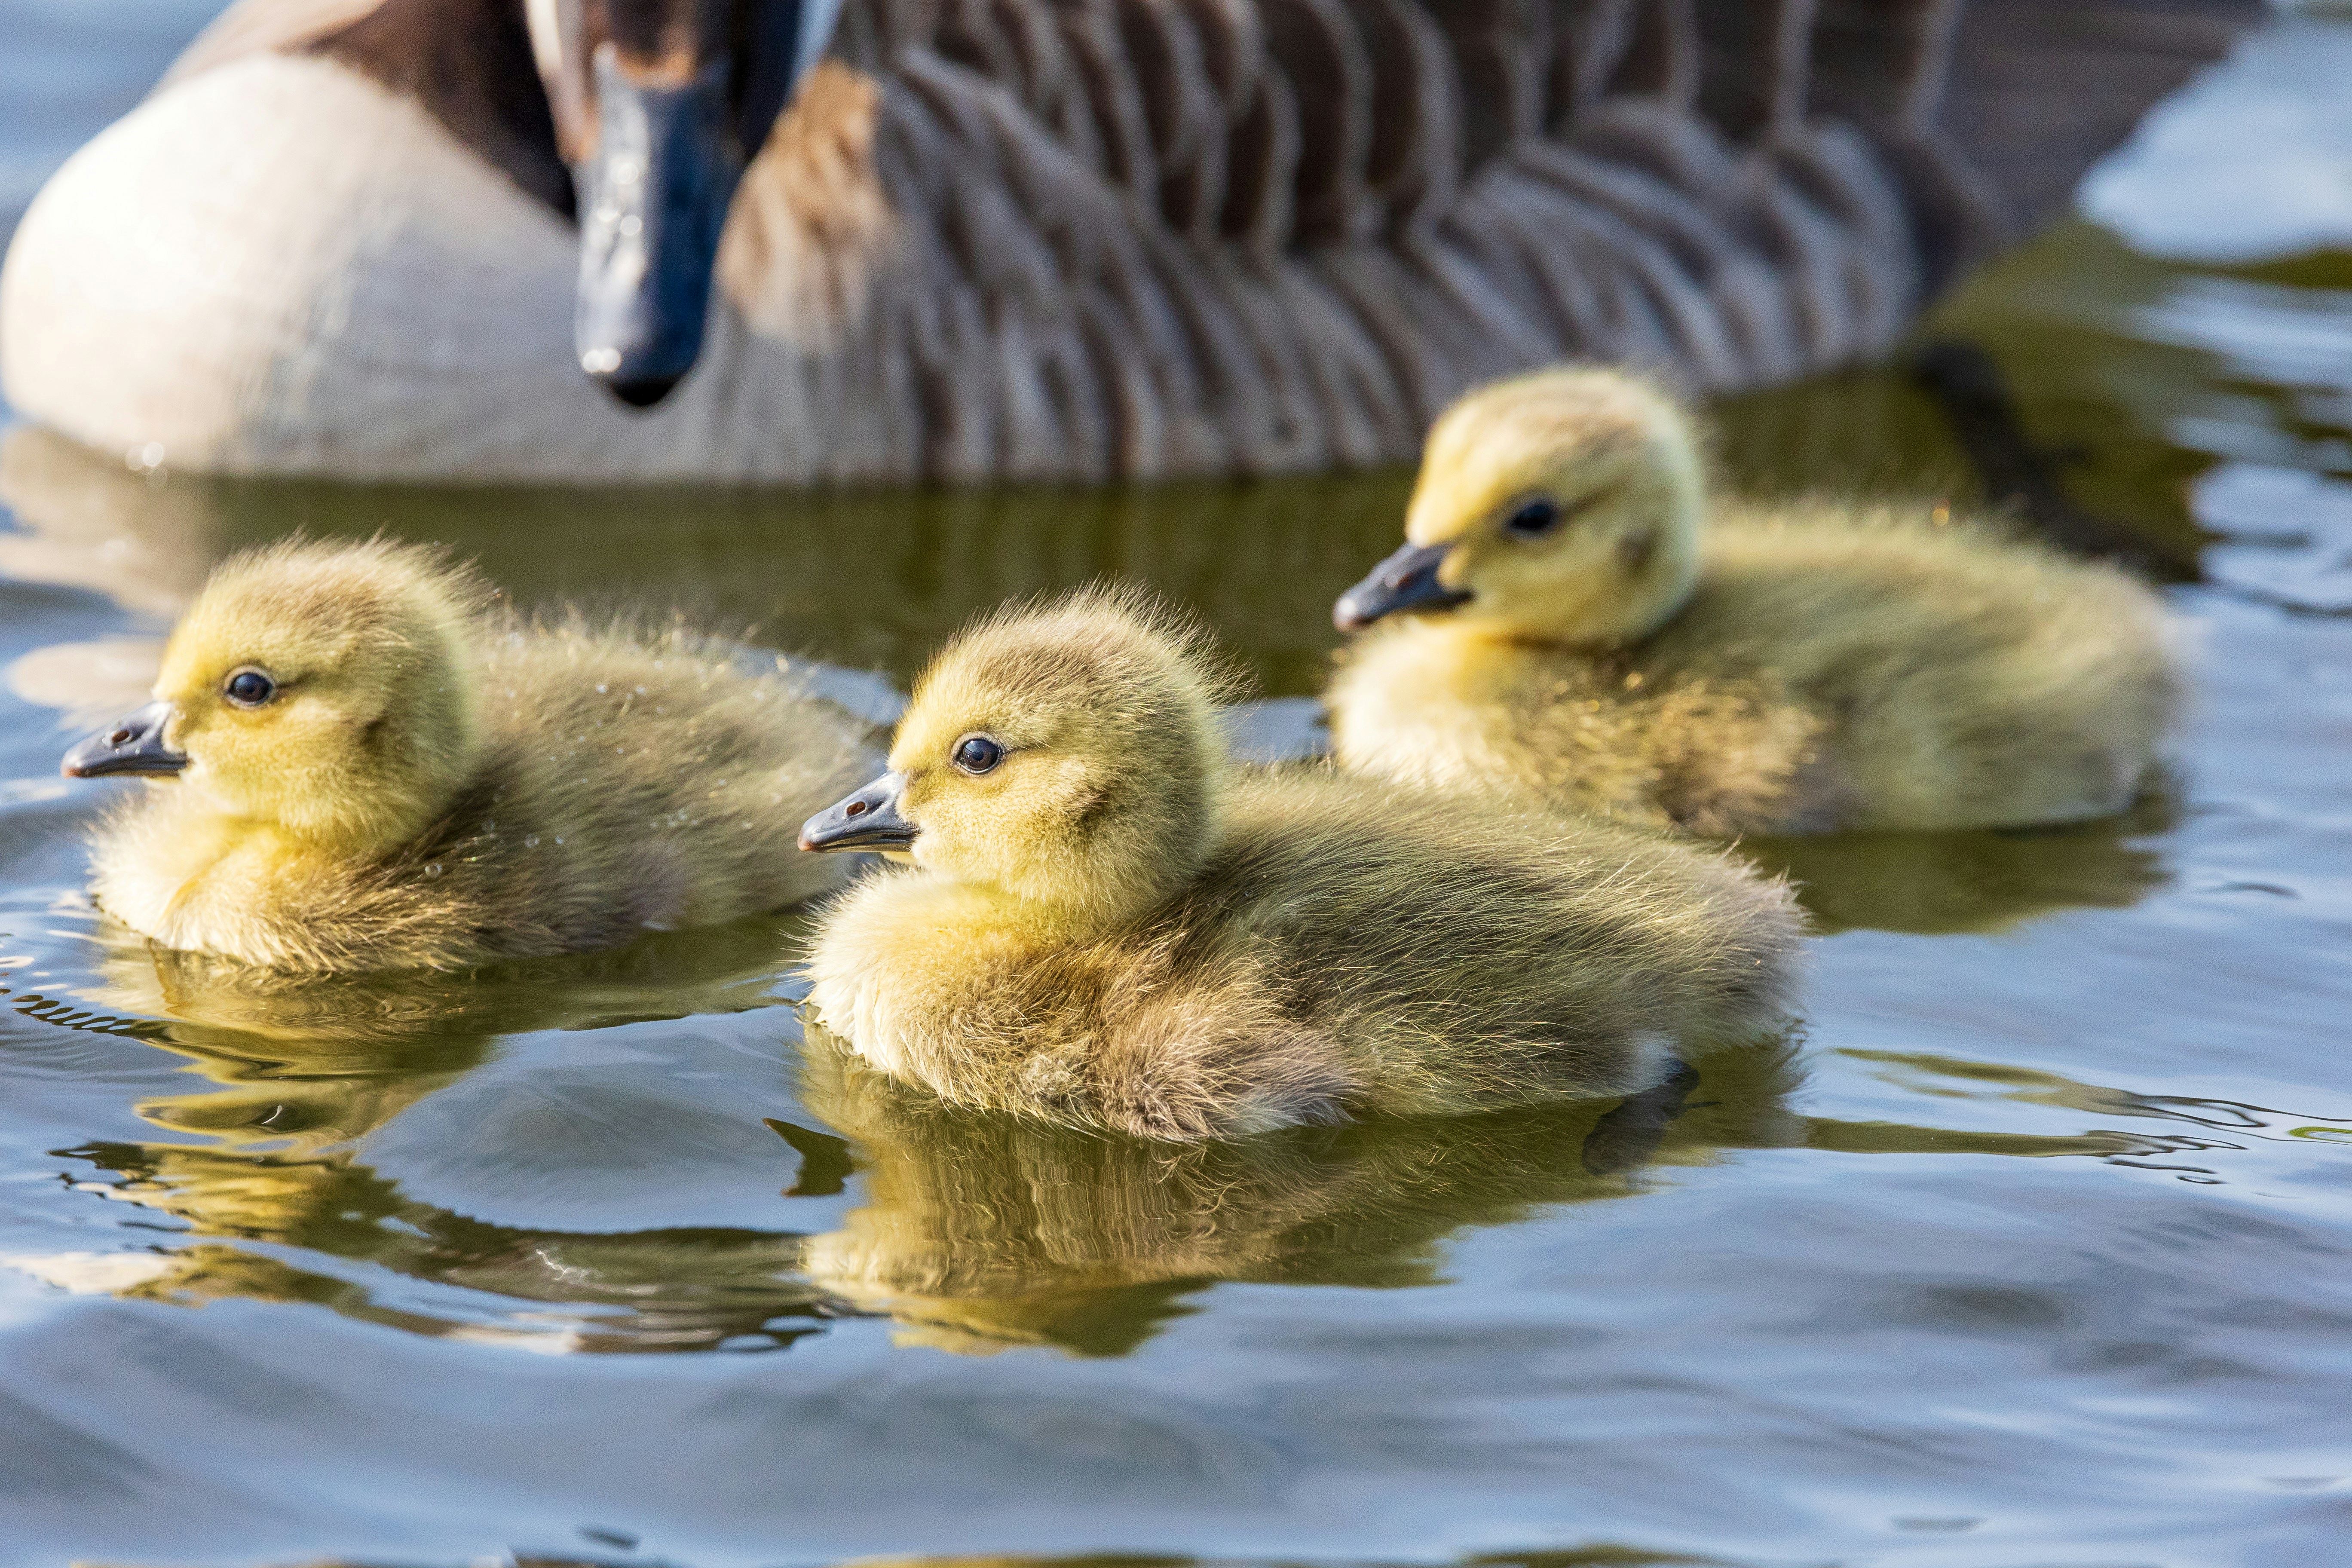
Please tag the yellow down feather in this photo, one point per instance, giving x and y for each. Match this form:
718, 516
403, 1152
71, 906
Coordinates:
437, 783
1116, 926
1739, 668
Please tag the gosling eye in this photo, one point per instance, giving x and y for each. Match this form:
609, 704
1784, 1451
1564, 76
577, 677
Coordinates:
249, 688
975, 754
1534, 519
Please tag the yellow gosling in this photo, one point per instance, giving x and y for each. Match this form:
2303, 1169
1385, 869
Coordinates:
353, 761
1566, 623
1102, 922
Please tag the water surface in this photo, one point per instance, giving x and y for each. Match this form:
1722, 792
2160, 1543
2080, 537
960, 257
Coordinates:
2029, 1245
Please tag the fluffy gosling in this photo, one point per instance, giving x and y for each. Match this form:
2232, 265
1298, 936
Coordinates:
354, 763
1561, 625
1103, 923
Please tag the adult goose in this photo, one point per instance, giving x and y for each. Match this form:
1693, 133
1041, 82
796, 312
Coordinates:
968, 239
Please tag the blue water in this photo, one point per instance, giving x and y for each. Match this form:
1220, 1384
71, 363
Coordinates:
2031, 1248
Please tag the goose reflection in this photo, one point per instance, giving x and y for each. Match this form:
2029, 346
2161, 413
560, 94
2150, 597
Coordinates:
258, 1165
876, 577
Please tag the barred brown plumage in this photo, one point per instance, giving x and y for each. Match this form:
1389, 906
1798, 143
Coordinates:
1089, 239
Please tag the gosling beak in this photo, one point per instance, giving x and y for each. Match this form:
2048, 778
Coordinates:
654, 197
1405, 581
133, 745
867, 820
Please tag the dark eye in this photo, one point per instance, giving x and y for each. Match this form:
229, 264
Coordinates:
250, 689
977, 753
1533, 519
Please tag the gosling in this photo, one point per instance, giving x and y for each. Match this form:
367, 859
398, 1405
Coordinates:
355, 762
1102, 922
1559, 625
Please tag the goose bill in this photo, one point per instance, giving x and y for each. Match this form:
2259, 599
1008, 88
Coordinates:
658, 141
867, 820
132, 744
654, 197
1406, 581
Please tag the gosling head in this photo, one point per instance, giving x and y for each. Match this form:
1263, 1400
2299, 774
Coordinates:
324, 690
1065, 754
1562, 506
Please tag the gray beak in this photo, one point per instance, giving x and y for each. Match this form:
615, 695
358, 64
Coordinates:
867, 820
134, 745
654, 197
1405, 581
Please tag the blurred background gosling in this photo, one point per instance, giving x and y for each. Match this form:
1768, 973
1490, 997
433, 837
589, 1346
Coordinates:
1567, 623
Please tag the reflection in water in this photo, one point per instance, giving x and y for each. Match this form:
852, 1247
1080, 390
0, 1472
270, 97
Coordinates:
2143, 376
84, 522
973, 1233
871, 579
2217, 1124
297, 1076
1945, 883
981, 1231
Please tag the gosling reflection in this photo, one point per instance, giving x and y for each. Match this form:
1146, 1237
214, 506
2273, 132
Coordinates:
368, 1249
979, 1232
1981, 882
258, 1164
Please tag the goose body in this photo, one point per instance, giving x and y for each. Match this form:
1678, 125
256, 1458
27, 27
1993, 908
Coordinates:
414, 780
990, 240
1109, 926
1734, 669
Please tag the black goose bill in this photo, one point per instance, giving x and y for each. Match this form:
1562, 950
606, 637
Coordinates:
1405, 582
132, 744
658, 106
867, 820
